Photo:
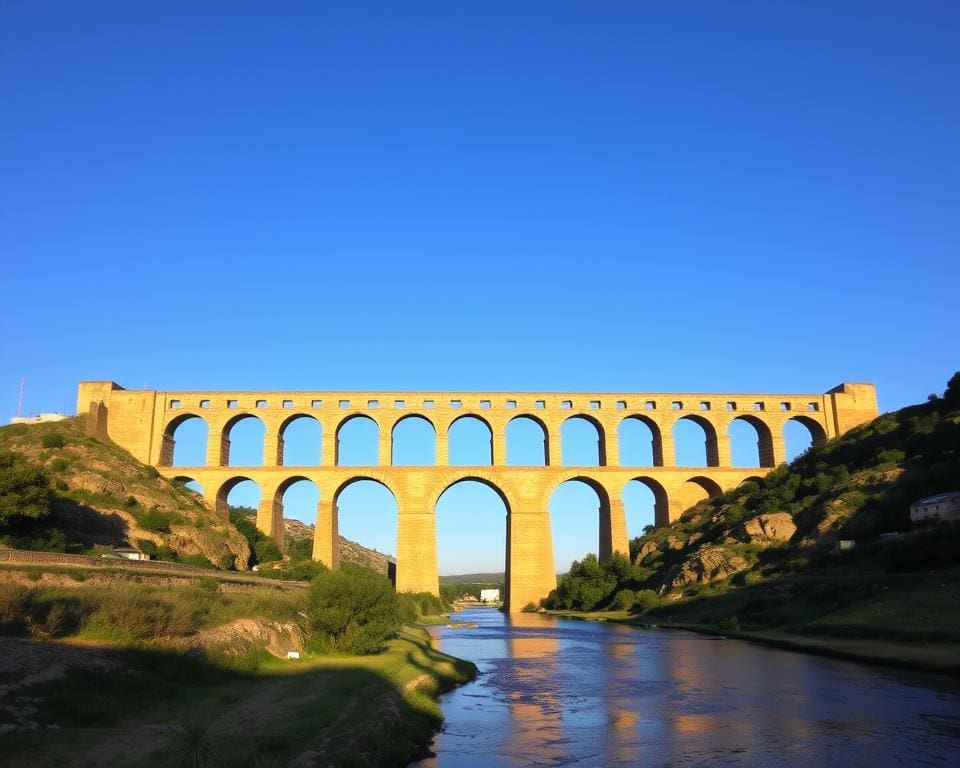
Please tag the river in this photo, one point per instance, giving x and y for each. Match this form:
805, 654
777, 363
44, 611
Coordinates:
562, 692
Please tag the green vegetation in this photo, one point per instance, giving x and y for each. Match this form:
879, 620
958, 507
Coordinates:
763, 557
376, 709
263, 548
63, 491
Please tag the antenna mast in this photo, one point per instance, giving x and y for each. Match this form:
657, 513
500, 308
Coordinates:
20, 401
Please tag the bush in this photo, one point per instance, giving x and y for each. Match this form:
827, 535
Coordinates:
352, 610
24, 489
416, 605
644, 600
151, 473
59, 465
53, 440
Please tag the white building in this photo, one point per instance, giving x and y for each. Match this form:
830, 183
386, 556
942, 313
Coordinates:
39, 419
943, 506
489, 595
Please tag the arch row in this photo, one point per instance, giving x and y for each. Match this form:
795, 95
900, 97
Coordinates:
610, 434
525, 493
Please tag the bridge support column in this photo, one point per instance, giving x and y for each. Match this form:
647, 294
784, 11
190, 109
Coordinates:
668, 449
384, 458
778, 451
613, 530
530, 571
328, 446
443, 449
212, 500
722, 457
326, 538
498, 447
417, 552
218, 449
272, 449
270, 517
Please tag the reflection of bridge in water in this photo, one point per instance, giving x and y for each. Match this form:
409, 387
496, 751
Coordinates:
145, 423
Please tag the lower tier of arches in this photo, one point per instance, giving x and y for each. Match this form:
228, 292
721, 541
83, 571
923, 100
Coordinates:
525, 492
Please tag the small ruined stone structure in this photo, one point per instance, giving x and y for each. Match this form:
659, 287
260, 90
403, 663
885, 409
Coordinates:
144, 422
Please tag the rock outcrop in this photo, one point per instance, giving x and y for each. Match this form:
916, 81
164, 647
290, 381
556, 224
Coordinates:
774, 528
705, 565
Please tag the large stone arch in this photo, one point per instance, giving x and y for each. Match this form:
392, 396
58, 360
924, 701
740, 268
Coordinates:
222, 506
288, 422
692, 491
354, 417
168, 441
711, 445
612, 523
601, 435
818, 435
471, 416
225, 438
488, 482
410, 418
543, 428
661, 500
765, 449
655, 436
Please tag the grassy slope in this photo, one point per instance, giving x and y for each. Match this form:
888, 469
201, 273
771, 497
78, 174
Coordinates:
370, 711
375, 710
105, 497
898, 599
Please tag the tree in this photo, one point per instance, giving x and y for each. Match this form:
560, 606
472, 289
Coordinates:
24, 489
952, 394
352, 610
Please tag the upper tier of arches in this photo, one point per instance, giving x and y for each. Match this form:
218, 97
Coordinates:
399, 437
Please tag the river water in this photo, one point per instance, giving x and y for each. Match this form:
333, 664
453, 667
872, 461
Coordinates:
562, 692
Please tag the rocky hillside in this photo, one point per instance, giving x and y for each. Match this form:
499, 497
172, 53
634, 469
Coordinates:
101, 497
298, 537
857, 487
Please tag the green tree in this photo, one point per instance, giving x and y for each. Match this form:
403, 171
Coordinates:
24, 489
352, 610
263, 547
952, 394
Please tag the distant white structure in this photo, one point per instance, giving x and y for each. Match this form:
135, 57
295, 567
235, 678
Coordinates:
489, 595
943, 506
38, 419
130, 553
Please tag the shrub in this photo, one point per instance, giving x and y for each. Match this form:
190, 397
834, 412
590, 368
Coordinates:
24, 489
59, 465
53, 440
352, 610
151, 473
623, 600
644, 600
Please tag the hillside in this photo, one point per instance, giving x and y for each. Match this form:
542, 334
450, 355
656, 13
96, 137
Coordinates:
298, 541
100, 497
766, 557
858, 487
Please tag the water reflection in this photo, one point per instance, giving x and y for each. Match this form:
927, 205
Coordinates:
566, 693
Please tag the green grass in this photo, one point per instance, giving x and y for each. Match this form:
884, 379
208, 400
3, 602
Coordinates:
371, 711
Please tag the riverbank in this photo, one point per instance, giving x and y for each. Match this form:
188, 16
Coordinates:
933, 657
85, 704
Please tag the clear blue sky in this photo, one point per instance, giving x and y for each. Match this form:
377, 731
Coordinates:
502, 196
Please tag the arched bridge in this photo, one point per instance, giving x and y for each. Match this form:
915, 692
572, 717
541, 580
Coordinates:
145, 421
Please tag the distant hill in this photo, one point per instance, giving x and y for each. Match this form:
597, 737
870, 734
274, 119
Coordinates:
100, 496
298, 537
473, 578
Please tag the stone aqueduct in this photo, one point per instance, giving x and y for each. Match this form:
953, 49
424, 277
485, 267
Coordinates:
144, 421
